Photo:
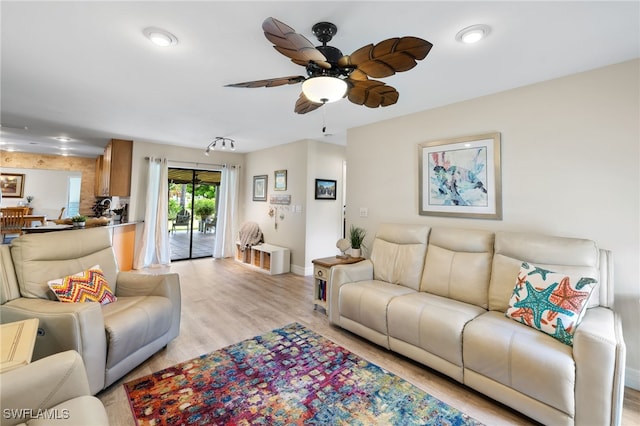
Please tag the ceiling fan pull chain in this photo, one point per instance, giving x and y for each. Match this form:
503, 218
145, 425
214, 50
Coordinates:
324, 117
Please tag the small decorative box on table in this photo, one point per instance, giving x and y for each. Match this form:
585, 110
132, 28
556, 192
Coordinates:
322, 277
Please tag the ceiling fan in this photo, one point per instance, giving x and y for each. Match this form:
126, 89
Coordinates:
331, 75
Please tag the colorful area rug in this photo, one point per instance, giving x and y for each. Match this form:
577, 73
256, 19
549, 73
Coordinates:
289, 376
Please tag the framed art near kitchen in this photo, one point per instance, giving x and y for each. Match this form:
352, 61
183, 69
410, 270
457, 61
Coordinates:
280, 180
325, 189
260, 188
12, 185
460, 177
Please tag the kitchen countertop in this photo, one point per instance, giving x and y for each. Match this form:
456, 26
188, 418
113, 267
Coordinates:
63, 227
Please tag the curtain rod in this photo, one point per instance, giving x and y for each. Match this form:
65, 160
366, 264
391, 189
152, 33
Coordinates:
235, 166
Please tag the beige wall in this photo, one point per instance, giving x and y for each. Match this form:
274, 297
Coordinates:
87, 166
310, 228
570, 167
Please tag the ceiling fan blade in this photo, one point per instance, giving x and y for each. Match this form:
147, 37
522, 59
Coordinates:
304, 105
291, 44
387, 57
271, 82
371, 93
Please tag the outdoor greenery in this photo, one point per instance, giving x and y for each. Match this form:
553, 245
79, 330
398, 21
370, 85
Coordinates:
204, 207
174, 208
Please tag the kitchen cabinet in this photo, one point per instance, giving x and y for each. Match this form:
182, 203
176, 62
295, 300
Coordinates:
113, 169
123, 240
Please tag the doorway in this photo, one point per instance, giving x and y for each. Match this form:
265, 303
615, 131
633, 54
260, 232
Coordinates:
193, 210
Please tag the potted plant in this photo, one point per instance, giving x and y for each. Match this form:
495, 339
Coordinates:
356, 236
204, 208
79, 221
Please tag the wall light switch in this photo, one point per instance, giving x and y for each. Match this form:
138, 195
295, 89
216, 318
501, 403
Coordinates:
364, 212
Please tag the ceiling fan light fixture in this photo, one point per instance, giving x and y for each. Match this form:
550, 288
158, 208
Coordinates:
473, 34
160, 37
324, 89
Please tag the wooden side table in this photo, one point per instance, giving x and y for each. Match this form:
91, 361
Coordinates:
18, 340
322, 277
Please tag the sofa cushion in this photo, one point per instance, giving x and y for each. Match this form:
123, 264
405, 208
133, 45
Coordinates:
549, 302
85, 286
398, 254
432, 323
458, 265
521, 358
365, 302
133, 322
574, 257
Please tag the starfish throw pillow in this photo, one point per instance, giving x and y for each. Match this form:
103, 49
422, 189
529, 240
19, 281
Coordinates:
549, 301
85, 286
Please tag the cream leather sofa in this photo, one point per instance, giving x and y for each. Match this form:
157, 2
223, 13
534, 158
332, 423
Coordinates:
50, 391
112, 339
439, 296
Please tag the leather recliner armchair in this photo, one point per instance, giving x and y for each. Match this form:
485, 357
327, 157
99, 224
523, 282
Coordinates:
50, 391
112, 339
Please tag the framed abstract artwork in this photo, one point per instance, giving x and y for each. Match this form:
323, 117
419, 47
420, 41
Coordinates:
260, 188
460, 177
325, 189
12, 185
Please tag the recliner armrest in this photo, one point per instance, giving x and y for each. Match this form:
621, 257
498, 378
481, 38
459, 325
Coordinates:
166, 285
599, 352
340, 275
63, 327
42, 385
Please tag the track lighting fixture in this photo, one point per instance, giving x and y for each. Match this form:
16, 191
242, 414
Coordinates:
223, 144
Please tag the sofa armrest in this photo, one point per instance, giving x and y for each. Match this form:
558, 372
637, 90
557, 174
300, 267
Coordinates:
63, 327
341, 275
166, 285
599, 352
42, 385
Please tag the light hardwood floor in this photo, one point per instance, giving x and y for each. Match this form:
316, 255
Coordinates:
224, 302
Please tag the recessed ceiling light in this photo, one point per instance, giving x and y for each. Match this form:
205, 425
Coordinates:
473, 33
63, 139
160, 37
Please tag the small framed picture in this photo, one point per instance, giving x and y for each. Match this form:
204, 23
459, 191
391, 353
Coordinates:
12, 185
280, 181
260, 188
325, 189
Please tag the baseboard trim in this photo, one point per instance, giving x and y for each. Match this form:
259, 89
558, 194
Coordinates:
632, 378
300, 270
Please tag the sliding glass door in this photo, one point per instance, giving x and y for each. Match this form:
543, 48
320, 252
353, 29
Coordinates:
193, 208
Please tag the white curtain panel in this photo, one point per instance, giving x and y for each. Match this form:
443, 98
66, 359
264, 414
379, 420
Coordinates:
155, 248
227, 210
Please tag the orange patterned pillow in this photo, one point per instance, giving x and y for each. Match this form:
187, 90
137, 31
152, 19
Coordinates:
85, 286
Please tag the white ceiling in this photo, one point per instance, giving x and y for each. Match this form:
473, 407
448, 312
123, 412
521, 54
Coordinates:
84, 69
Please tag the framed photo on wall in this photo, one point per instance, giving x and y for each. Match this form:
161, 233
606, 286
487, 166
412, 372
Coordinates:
460, 177
12, 185
260, 188
280, 180
325, 189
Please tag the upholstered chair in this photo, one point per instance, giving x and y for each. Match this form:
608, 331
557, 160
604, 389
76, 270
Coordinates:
51, 391
111, 338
